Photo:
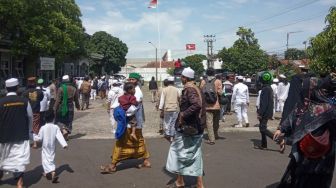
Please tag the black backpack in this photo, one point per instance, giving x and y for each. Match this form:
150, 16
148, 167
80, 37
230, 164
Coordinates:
209, 91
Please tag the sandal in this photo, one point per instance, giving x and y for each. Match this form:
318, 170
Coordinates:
174, 185
108, 169
144, 165
54, 179
210, 143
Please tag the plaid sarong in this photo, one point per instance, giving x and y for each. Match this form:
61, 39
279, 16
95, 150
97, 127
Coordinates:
36, 122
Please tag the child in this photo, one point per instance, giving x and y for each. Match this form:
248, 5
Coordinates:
48, 135
128, 103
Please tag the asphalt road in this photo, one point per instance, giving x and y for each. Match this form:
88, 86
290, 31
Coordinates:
233, 162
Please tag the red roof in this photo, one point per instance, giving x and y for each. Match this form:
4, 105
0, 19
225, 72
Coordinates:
164, 64
296, 63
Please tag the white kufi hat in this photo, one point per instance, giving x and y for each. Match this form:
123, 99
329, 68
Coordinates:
188, 72
66, 78
12, 82
282, 76
275, 80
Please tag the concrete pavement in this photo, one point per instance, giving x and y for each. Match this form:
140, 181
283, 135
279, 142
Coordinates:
94, 123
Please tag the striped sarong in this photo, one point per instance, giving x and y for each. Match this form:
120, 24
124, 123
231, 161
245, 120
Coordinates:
36, 122
125, 148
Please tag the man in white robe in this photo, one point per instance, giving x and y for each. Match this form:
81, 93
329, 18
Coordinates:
48, 134
16, 119
274, 87
283, 89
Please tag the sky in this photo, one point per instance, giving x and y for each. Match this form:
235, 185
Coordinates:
176, 23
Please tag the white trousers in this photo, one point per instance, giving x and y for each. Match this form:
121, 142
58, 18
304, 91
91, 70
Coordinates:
281, 105
241, 112
93, 94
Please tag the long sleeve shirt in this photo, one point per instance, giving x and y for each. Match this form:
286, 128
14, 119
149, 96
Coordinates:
113, 95
240, 93
266, 102
169, 100
283, 91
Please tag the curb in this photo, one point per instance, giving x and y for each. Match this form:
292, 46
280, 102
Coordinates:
156, 135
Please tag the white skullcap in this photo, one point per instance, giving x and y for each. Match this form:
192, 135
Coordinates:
240, 78
102, 77
275, 80
171, 79
66, 78
301, 66
12, 82
282, 76
114, 81
188, 72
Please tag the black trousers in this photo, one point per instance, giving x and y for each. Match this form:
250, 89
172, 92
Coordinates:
264, 132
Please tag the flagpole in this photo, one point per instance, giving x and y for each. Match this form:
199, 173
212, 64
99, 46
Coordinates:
159, 37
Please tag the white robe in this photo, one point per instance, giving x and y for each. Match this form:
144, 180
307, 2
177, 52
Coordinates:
282, 94
14, 156
49, 133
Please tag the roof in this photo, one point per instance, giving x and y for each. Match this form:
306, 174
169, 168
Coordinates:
296, 63
164, 64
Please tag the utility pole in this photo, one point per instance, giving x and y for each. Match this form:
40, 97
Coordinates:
288, 33
209, 39
156, 60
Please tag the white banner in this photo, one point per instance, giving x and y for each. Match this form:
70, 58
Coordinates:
47, 63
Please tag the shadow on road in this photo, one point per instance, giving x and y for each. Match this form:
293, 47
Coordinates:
32, 177
29, 178
274, 185
257, 145
78, 135
63, 168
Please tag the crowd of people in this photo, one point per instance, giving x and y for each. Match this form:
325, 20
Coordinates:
307, 105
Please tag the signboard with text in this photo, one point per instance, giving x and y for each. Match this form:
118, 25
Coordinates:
47, 63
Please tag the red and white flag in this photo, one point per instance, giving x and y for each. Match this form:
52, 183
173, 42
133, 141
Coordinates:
190, 46
153, 4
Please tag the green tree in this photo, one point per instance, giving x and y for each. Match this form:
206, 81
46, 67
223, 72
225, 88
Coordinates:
295, 54
195, 62
245, 56
42, 27
170, 71
111, 48
322, 51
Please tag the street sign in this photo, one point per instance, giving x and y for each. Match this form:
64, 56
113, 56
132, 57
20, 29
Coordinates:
190, 46
47, 63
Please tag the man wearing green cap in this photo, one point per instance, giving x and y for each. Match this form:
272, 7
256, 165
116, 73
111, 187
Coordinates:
140, 115
265, 110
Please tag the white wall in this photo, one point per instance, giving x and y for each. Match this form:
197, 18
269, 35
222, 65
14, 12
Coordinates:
147, 73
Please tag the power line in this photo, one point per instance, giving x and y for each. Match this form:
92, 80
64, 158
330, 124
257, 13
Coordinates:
298, 21
298, 6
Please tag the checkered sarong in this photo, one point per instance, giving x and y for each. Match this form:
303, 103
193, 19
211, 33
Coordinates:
36, 122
